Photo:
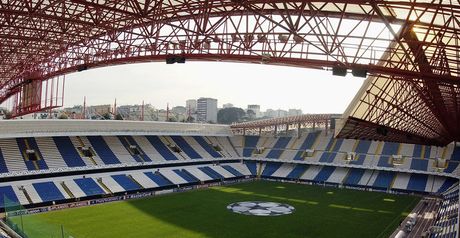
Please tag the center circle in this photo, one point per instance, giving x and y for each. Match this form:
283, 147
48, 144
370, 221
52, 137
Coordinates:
261, 208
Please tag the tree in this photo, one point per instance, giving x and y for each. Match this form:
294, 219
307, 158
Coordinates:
172, 119
106, 116
118, 117
230, 115
190, 119
63, 116
251, 114
8, 115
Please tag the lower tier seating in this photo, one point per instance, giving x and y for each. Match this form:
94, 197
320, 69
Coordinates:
39, 191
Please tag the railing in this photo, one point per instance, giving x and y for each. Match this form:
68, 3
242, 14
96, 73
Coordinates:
96, 167
40, 128
454, 174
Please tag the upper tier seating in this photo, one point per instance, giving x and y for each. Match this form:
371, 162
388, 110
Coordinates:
318, 148
61, 152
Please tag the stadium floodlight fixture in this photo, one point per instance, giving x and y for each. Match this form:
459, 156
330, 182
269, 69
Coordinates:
359, 72
339, 71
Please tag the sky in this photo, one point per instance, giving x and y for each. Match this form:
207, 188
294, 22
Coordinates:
274, 87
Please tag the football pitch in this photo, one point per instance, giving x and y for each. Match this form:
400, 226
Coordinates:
319, 212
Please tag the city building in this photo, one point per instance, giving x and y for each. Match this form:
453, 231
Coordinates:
207, 110
294, 112
190, 105
256, 109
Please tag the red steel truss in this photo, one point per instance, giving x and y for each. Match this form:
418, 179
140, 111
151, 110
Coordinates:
411, 44
284, 124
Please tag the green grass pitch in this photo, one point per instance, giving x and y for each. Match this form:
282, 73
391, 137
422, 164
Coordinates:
320, 212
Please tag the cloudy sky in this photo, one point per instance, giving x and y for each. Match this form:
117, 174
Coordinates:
275, 87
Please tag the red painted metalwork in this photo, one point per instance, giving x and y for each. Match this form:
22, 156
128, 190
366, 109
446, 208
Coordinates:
413, 43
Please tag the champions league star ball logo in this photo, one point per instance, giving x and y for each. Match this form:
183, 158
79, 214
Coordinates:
258, 208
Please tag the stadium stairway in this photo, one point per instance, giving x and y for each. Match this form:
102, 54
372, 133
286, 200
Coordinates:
31, 193
79, 142
67, 190
215, 142
110, 185
22, 195
261, 168
102, 184
74, 188
131, 141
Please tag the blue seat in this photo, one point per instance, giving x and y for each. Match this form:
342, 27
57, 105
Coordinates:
159, 146
250, 143
211, 173
158, 179
270, 168
252, 166
207, 146
48, 191
232, 170
324, 174
186, 175
298, 171
125, 182
7, 196
103, 150
417, 182
383, 180
182, 143
354, 176
89, 186
68, 152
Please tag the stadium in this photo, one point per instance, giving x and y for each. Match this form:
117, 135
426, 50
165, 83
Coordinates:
387, 167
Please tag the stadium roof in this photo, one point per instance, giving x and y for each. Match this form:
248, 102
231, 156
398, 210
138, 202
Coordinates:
409, 50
